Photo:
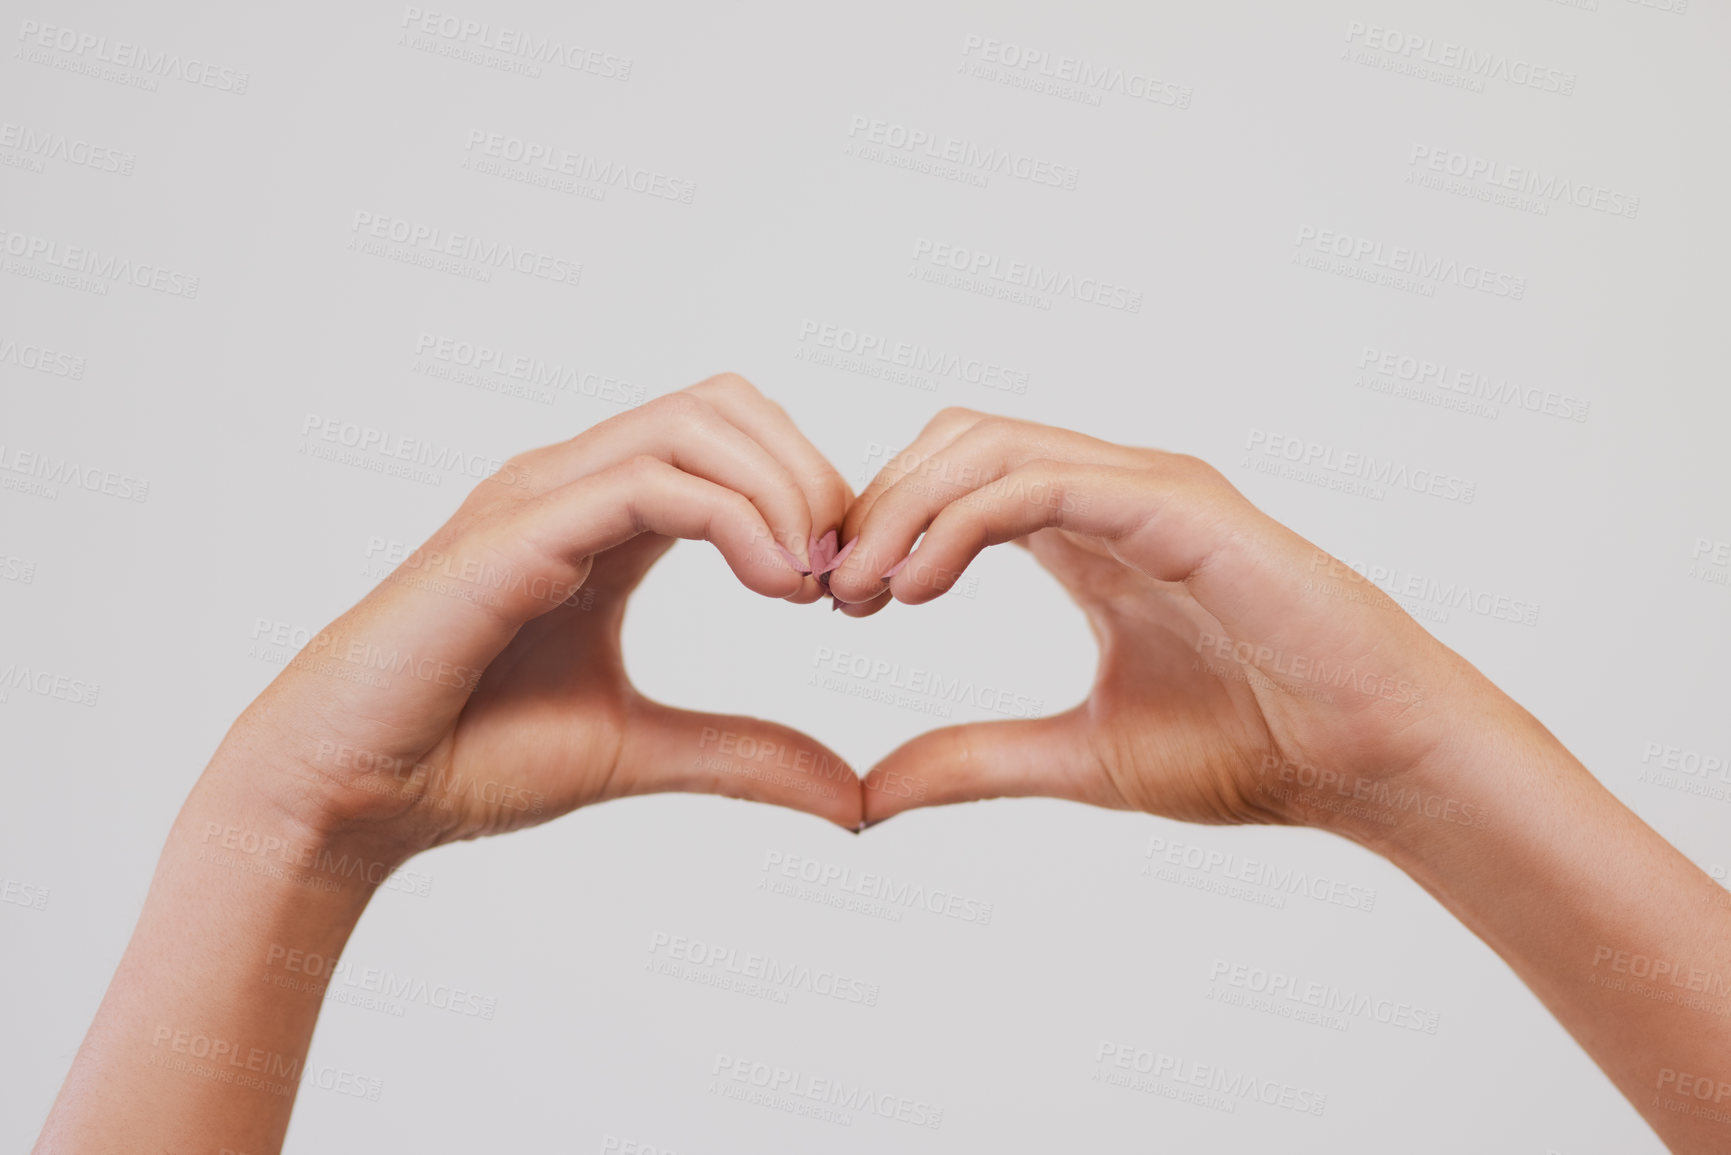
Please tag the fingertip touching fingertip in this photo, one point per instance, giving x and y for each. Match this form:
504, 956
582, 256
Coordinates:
834, 562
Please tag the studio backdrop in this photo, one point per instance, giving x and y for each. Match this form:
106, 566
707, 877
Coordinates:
1442, 286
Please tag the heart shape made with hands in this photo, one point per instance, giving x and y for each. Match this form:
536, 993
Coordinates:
1196, 600
758, 760
1226, 671
929, 514
1052, 755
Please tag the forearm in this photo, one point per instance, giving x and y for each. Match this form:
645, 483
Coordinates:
1622, 937
200, 1041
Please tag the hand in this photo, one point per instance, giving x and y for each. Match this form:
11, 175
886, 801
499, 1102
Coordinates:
1244, 676
481, 687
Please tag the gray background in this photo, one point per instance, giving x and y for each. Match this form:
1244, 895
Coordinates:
167, 604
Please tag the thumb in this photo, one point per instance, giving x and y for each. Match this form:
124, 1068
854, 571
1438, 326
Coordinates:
668, 749
1047, 757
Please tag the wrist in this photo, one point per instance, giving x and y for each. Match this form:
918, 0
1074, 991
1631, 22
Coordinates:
1494, 769
1419, 777
276, 822
325, 792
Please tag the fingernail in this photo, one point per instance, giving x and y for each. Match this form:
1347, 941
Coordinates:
834, 563
896, 569
787, 556
823, 552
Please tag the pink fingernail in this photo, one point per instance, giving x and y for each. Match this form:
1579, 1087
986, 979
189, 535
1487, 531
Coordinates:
787, 555
896, 569
834, 563
823, 552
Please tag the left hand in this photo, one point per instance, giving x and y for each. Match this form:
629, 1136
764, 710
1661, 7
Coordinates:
481, 687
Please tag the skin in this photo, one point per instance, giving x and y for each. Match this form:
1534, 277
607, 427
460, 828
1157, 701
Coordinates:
1245, 677
327, 782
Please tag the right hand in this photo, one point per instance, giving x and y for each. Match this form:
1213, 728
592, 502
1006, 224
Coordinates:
1244, 676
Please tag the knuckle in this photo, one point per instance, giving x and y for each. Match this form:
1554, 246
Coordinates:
684, 407
1197, 470
739, 507
955, 415
995, 428
521, 467
510, 481
731, 383
642, 467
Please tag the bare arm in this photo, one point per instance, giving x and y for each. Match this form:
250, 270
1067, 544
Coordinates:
1246, 676
479, 689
